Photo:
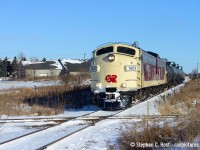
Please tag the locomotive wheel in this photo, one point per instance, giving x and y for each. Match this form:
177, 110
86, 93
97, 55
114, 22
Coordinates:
126, 101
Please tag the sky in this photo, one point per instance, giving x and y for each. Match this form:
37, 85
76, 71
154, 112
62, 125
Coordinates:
69, 28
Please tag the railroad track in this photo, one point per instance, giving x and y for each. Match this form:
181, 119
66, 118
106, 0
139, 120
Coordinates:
133, 117
86, 121
23, 120
93, 118
77, 124
88, 118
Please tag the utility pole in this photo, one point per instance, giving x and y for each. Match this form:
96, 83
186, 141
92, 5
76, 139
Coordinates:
197, 67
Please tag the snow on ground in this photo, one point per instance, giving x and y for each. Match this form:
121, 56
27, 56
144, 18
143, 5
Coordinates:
107, 132
28, 84
44, 137
4, 78
150, 105
104, 113
99, 136
68, 112
12, 130
71, 112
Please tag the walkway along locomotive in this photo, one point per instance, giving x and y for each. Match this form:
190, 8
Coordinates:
122, 73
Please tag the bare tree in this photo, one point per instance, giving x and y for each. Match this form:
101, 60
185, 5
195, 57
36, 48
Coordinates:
21, 56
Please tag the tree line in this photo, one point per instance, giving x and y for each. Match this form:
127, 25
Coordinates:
8, 68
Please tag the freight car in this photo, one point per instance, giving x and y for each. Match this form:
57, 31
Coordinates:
122, 73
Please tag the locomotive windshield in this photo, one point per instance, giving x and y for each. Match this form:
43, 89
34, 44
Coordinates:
105, 50
126, 50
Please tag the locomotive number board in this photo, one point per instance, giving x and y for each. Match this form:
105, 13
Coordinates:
131, 68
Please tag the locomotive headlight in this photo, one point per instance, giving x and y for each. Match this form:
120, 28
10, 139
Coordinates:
123, 85
111, 57
98, 85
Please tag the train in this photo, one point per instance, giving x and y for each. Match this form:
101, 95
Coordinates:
123, 73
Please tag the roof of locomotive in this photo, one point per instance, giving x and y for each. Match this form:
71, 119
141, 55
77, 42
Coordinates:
135, 46
116, 43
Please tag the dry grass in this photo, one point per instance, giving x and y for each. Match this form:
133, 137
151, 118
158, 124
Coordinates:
12, 101
48, 100
152, 135
76, 78
186, 102
157, 135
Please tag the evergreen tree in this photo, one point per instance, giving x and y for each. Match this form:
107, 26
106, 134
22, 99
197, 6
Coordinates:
24, 59
14, 67
2, 69
7, 66
15, 63
44, 59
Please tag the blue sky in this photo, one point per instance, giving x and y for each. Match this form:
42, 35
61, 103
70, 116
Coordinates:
69, 28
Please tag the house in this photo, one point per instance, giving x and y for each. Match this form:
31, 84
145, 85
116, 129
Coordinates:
53, 68
41, 69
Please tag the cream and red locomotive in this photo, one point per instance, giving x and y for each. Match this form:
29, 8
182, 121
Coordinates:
122, 73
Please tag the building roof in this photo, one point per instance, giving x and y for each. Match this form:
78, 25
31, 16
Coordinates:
71, 66
41, 65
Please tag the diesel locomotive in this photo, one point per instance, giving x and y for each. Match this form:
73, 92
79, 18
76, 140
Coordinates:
122, 73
